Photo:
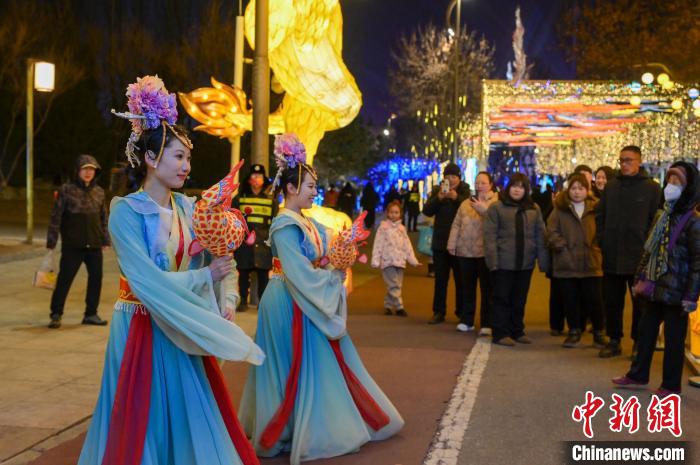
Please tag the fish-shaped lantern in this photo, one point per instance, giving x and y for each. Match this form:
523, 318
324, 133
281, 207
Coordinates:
344, 249
219, 228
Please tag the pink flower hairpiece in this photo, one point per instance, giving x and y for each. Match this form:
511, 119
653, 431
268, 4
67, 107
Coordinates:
150, 106
289, 151
149, 98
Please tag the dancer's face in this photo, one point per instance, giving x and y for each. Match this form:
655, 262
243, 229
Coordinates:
305, 195
174, 167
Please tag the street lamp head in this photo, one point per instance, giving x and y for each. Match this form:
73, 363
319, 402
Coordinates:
386, 132
647, 78
44, 76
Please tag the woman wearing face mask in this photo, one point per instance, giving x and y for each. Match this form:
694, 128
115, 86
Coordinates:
513, 239
313, 398
668, 279
163, 398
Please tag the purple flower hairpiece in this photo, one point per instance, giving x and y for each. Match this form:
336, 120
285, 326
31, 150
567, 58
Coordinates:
149, 99
289, 151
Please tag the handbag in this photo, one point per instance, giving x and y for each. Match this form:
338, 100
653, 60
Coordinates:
45, 276
645, 287
425, 241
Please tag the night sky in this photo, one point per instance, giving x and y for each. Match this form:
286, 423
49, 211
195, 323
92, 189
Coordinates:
373, 27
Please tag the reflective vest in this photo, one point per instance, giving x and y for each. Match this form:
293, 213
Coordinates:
257, 210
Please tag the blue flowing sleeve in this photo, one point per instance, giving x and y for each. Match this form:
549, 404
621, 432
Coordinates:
319, 293
176, 300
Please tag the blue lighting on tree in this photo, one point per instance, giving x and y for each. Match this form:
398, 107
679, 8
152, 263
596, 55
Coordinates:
387, 173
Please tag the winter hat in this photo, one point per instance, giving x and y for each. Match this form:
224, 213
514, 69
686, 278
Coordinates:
452, 168
679, 172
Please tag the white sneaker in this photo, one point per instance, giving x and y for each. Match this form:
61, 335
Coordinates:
485, 332
464, 328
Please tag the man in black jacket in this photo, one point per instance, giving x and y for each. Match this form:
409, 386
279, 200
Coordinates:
443, 204
624, 217
80, 217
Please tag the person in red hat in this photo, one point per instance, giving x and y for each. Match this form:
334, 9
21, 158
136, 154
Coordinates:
257, 203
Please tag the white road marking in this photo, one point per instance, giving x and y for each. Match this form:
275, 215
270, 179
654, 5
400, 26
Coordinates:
447, 443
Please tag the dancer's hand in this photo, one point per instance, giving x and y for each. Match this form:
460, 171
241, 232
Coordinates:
229, 314
220, 267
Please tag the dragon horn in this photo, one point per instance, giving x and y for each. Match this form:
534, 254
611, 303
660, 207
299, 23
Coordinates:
228, 180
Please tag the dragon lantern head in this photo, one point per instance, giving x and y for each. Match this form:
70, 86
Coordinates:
344, 248
222, 192
218, 227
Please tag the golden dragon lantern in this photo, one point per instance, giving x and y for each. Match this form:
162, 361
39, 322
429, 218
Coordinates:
305, 53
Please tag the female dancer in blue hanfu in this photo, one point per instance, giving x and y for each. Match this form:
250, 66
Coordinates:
163, 399
313, 396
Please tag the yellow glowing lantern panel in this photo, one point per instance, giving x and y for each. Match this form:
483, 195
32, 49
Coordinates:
305, 49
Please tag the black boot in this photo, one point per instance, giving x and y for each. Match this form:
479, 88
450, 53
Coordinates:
94, 320
599, 339
611, 350
436, 319
572, 339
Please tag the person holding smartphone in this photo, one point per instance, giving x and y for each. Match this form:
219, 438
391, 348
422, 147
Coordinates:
443, 203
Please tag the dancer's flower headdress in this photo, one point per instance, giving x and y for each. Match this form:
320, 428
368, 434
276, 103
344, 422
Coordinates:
150, 105
290, 152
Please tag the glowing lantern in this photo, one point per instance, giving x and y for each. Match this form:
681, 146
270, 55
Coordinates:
663, 78
696, 104
676, 104
647, 78
693, 92
668, 85
636, 101
44, 76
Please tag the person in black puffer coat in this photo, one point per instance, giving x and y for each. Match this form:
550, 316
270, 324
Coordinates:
671, 261
79, 216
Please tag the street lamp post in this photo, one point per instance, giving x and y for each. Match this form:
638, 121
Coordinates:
238, 77
455, 97
261, 85
40, 76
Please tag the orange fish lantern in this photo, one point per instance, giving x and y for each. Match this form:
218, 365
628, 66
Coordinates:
344, 249
219, 228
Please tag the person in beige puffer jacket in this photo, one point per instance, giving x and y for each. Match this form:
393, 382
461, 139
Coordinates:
466, 242
392, 249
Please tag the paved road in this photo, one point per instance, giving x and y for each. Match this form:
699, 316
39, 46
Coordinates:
521, 403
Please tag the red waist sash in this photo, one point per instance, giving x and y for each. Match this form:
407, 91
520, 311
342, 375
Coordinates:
370, 411
129, 417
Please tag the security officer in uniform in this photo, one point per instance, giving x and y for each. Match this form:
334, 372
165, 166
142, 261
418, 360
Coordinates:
256, 201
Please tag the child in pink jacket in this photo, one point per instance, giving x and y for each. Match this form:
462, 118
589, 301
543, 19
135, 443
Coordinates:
392, 249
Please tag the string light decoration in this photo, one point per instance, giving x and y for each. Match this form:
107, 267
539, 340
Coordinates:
589, 121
